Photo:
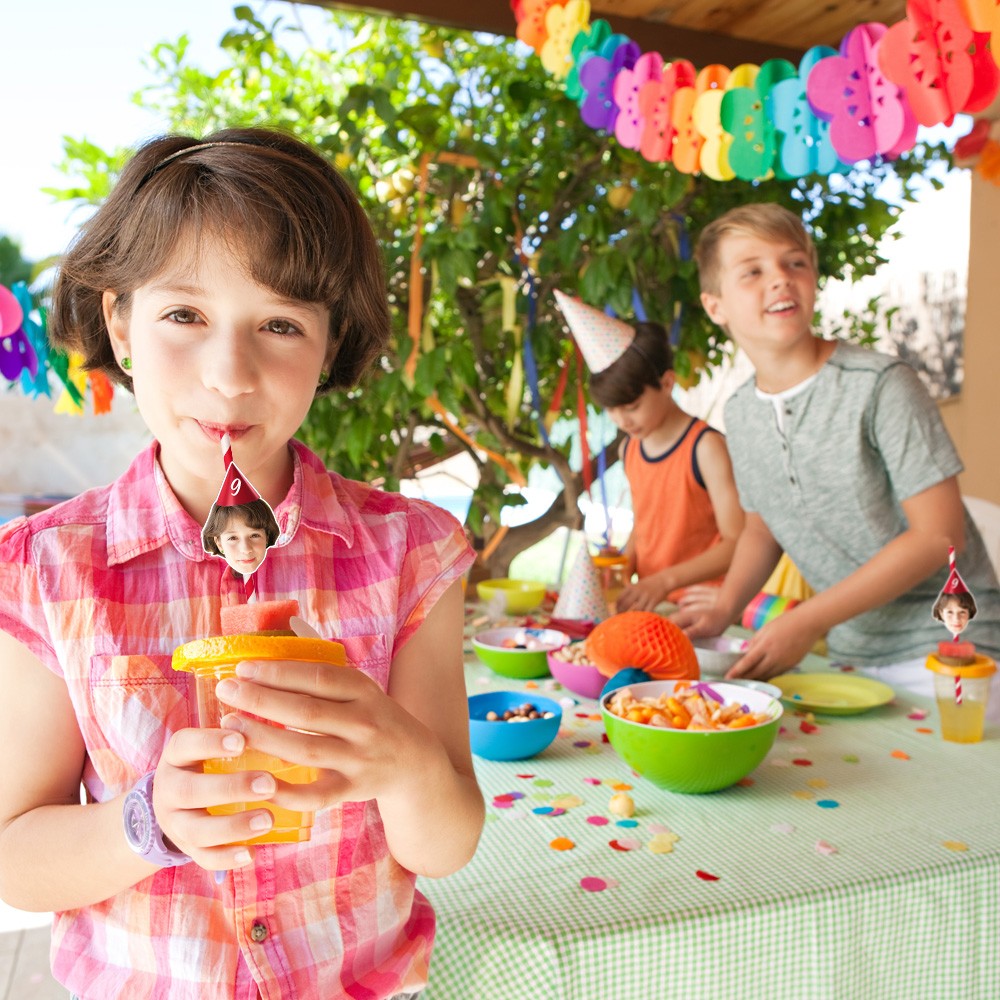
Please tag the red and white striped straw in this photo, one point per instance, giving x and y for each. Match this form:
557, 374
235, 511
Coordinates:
958, 690
249, 579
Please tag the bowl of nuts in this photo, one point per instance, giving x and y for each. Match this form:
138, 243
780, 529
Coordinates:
518, 652
569, 665
507, 725
691, 736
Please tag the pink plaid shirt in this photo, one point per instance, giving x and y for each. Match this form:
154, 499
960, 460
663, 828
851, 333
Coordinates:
101, 589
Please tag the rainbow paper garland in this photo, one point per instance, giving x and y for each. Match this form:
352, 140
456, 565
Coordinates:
864, 101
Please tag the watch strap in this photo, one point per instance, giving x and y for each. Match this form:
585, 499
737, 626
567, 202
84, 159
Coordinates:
142, 832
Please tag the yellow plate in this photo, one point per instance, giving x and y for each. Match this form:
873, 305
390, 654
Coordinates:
833, 694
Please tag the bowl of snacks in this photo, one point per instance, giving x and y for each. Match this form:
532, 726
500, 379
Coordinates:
691, 737
569, 665
717, 653
519, 596
518, 652
509, 725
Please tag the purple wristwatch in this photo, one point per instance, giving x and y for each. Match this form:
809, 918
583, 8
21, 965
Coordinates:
142, 831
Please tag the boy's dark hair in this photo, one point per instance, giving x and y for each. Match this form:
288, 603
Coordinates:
256, 514
287, 215
965, 599
642, 365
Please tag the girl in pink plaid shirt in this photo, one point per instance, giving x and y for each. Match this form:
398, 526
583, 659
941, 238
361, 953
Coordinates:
224, 282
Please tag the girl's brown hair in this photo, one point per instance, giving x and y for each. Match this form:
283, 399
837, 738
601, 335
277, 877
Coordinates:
963, 599
643, 364
256, 514
288, 215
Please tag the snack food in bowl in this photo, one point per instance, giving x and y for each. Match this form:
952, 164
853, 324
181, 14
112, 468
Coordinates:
569, 665
509, 725
717, 653
518, 652
520, 596
720, 734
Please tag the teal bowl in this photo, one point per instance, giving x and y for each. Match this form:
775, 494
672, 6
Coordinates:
519, 663
510, 740
694, 762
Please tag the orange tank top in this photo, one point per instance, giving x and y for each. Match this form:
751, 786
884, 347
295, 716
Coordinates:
673, 517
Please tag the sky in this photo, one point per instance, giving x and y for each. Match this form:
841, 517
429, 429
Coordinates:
74, 66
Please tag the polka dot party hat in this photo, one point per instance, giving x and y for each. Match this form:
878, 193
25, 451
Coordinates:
581, 597
602, 339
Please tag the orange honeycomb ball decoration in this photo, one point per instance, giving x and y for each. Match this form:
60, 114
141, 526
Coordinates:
642, 639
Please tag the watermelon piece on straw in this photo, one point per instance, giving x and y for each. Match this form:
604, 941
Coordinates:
258, 616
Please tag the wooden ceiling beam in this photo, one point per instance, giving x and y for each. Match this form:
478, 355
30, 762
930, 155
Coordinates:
496, 17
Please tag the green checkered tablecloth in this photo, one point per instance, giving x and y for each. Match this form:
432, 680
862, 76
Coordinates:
861, 863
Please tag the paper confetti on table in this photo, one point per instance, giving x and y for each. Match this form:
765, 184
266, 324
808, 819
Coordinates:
803, 793
817, 782
808, 727
593, 884
745, 782
567, 801
802, 762
824, 848
523, 775
900, 755
828, 804
955, 845
548, 811
917, 714
625, 844
592, 781
706, 876
662, 843
562, 844
627, 823
923, 729
782, 828
598, 820
850, 758
778, 762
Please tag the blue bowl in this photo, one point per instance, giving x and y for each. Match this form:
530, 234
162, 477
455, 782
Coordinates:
511, 740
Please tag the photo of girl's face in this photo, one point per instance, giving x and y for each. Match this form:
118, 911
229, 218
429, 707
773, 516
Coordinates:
954, 616
243, 547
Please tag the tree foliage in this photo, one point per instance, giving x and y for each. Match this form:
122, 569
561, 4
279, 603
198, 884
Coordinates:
519, 194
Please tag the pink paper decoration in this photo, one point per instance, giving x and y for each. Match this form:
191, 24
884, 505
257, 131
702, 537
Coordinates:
11, 313
745, 114
869, 114
586, 45
629, 83
804, 145
943, 66
656, 101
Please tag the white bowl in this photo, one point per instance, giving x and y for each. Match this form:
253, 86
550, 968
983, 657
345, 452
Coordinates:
748, 682
717, 653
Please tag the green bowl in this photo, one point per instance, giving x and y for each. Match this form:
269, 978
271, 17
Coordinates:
521, 664
694, 762
520, 596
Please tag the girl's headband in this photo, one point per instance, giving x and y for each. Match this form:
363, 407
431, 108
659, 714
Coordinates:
167, 160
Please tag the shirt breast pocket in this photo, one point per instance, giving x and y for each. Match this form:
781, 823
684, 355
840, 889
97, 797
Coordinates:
136, 703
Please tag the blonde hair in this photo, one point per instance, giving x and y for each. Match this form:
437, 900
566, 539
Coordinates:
765, 220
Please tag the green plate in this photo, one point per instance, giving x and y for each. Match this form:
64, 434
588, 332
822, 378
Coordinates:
833, 694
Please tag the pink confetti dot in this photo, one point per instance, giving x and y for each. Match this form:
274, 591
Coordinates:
592, 781
503, 804
593, 884
598, 820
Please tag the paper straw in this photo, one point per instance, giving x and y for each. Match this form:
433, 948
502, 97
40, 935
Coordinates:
958, 690
249, 579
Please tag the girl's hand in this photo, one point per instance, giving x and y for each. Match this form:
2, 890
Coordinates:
777, 647
337, 719
182, 793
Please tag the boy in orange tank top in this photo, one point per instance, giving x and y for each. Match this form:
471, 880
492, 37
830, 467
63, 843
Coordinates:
687, 514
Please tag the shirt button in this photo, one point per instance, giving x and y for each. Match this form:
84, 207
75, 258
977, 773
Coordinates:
258, 932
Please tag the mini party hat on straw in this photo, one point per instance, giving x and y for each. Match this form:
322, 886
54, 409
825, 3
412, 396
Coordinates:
602, 339
581, 597
236, 489
955, 586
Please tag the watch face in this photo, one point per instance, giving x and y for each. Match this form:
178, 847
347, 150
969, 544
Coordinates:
138, 822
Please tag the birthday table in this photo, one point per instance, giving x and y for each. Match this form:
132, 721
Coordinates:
860, 860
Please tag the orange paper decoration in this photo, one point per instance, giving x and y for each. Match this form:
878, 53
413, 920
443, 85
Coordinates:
646, 640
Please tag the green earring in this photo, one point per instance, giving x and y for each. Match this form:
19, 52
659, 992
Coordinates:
323, 376
127, 363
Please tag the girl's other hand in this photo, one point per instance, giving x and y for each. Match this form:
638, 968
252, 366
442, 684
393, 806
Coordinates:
777, 647
699, 612
645, 595
182, 794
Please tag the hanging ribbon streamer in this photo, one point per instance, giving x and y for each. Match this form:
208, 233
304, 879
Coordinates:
581, 405
602, 468
530, 364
